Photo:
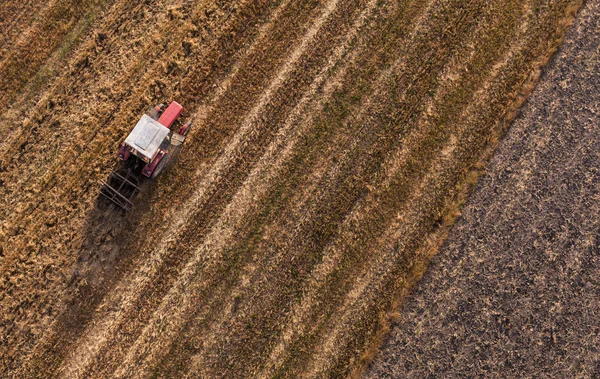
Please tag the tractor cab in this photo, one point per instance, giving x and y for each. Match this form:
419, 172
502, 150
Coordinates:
151, 142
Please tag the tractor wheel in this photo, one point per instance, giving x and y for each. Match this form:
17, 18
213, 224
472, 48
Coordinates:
160, 166
185, 129
155, 112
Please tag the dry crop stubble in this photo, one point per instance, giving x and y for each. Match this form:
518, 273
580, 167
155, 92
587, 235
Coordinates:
318, 274
33, 46
10, 16
357, 206
262, 268
190, 270
258, 181
15, 19
281, 219
46, 177
133, 116
132, 112
146, 275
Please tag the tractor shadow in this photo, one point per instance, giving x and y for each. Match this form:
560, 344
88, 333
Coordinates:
110, 249
112, 233
111, 238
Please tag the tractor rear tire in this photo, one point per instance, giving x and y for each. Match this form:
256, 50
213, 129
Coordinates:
161, 165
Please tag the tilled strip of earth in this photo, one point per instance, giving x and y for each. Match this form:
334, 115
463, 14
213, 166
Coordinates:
333, 142
515, 290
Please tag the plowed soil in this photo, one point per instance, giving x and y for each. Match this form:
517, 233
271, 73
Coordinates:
332, 145
515, 291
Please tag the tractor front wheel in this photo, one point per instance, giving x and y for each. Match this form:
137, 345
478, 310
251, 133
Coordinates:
185, 129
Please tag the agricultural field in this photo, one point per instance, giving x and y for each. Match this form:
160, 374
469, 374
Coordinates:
333, 144
515, 290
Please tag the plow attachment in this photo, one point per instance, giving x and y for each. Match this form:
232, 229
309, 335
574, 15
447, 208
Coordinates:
121, 188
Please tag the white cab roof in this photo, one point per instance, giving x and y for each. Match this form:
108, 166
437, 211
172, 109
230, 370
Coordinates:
147, 136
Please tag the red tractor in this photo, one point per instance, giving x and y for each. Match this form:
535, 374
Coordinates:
145, 152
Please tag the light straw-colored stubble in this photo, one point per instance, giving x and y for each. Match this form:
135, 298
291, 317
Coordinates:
281, 149
128, 290
81, 108
175, 300
379, 268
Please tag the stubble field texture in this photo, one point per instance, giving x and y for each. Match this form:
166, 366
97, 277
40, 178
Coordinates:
333, 144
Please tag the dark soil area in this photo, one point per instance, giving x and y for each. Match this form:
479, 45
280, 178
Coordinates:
515, 291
